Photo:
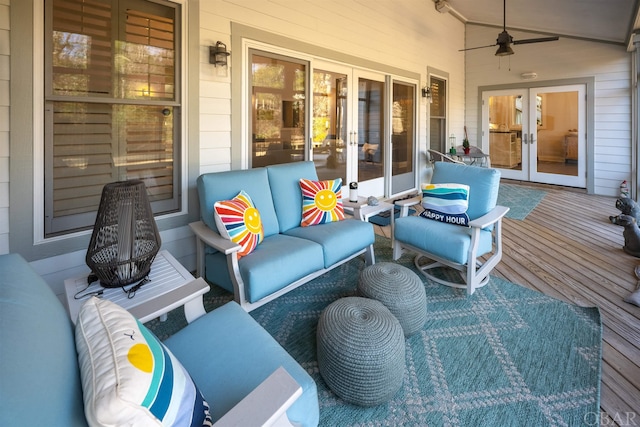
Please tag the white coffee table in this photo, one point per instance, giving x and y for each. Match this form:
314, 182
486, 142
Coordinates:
170, 287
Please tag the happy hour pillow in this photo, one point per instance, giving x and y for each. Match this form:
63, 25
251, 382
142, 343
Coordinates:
239, 221
321, 201
128, 376
446, 203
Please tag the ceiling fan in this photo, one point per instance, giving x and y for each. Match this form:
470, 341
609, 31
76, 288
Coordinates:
504, 40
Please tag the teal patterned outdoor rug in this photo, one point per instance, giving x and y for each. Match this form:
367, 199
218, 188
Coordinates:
505, 356
520, 199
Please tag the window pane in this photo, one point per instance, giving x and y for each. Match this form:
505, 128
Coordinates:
82, 48
95, 144
278, 110
438, 116
111, 63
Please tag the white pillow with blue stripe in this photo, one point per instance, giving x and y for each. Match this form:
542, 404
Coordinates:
446, 203
128, 376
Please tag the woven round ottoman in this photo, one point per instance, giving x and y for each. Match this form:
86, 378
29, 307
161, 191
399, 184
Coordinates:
400, 290
361, 351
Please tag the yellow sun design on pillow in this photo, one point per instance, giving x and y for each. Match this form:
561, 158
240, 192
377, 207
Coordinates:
326, 200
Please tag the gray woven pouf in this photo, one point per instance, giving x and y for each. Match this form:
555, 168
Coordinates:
400, 290
361, 351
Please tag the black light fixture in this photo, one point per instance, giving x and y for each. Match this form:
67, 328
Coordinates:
218, 54
125, 237
504, 50
426, 93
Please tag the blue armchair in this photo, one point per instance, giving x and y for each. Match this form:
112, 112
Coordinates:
474, 250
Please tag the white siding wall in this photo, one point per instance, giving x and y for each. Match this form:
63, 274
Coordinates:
5, 34
406, 34
609, 64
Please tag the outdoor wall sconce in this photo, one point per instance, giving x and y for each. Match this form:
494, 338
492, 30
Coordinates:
426, 93
218, 54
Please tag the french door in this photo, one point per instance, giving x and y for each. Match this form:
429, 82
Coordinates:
537, 134
348, 136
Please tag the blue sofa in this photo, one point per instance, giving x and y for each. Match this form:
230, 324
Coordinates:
290, 255
225, 351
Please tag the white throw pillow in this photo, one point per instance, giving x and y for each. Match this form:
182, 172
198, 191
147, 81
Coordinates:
129, 378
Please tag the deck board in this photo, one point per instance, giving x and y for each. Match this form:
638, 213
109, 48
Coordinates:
568, 249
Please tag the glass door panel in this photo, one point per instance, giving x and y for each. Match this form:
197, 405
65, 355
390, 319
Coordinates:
505, 114
403, 118
558, 141
368, 145
278, 118
330, 126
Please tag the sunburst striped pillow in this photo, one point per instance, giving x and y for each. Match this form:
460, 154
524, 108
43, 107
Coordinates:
238, 220
321, 201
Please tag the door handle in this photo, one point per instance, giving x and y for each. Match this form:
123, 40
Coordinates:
531, 140
524, 139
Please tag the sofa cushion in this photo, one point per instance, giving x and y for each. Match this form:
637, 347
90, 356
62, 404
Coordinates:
321, 201
250, 355
213, 187
239, 221
128, 376
277, 262
39, 376
339, 240
446, 203
284, 180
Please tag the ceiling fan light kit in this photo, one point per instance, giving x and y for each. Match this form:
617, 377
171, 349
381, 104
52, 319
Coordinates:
504, 50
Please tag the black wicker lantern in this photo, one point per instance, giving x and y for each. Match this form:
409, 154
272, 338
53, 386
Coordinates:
125, 237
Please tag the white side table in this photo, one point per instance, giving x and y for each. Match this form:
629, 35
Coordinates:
170, 287
363, 211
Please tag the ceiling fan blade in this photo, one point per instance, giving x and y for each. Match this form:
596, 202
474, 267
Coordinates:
477, 47
537, 40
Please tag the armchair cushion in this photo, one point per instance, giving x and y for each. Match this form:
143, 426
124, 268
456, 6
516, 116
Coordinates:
446, 203
239, 221
321, 201
245, 355
447, 241
128, 376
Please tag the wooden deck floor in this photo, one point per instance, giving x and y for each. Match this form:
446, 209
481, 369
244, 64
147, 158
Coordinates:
568, 249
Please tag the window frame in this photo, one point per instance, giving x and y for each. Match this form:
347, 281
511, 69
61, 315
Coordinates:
182, 158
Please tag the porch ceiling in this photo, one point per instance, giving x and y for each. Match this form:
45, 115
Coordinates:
602, 20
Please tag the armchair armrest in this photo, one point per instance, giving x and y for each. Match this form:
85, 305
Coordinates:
206, 235
267, 404
213, 239
406, 203
490, 217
